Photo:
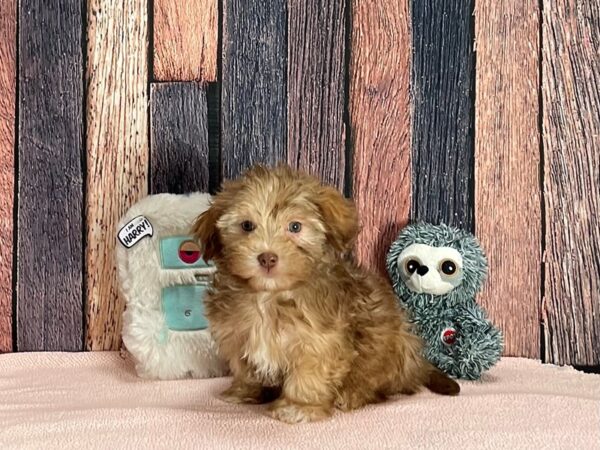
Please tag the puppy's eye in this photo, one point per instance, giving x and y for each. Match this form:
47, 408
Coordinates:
248, 226
412, 266
448, 267
295, 227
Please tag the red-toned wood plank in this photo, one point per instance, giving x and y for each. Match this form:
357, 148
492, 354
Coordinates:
50, 195
507, 157
380, 123
185, 40
316, 77
117, 150
8, 52
571, 142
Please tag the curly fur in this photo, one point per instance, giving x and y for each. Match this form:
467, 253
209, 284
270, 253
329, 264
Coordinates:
315, 331
478, 343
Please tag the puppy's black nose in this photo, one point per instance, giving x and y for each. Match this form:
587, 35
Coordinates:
267, 260
422, 270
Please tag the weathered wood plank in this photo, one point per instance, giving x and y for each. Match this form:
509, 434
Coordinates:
50, 203
8, 87
316, 78
571, 138
254, 92
117, 150
185, 40
507, 157
179, 138
442, 137
380, 124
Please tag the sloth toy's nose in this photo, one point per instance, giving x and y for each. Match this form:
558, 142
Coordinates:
422, 270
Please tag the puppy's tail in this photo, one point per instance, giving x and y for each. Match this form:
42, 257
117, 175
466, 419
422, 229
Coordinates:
440, 383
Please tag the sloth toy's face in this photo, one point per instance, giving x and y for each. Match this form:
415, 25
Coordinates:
430, 270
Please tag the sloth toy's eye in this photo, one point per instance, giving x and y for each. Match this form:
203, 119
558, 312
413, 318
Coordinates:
448, 267
412, 266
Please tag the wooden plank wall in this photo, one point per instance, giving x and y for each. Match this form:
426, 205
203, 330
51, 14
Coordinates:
8, 89
316, 88
380, 119
179, 133
253, 97
481, 114
117, 150
571, 138
50, 193
507, 168
442, 87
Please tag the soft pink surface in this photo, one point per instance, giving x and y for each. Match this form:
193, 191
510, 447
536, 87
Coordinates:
94, 400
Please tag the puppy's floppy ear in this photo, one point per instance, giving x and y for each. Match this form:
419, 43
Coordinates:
340, 217
206, 232
205, 228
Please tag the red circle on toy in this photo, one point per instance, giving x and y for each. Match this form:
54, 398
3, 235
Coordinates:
448, 336
189, 252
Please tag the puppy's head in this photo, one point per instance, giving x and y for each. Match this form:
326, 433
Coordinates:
272, 227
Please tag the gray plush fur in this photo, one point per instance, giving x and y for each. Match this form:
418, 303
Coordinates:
478, 343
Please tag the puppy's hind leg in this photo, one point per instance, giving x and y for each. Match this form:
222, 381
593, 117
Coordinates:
440, 383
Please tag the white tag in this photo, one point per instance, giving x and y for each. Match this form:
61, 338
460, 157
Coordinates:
134, 231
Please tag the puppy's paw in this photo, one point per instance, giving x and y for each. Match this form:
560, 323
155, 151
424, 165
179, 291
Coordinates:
241, 394
289, 412
252, 394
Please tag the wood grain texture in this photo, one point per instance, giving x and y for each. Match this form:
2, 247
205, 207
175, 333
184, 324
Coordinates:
380, 124
8, 87
50, 203
254, 92
571, 141
507, 168
442, 86
316, 80
185, 40
179, 138
117, 150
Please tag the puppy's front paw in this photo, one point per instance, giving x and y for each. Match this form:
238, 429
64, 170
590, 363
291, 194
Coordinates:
253, 394
241, 394
290, 412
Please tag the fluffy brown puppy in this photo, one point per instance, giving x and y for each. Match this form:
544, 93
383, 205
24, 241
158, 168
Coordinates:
293, 316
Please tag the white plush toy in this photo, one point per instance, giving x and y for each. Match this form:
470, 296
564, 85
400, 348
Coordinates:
163, 278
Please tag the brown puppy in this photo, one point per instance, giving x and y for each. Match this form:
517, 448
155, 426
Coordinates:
294, 317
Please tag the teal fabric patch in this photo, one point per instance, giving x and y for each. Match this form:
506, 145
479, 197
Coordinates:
183, 307
181, 252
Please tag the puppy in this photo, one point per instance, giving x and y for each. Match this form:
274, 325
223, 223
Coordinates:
298, 322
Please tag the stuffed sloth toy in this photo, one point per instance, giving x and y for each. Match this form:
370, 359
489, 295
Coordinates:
162, 278
436, 271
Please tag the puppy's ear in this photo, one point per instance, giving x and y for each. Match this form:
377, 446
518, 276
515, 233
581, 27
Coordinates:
205, 228
341, 219
206, 232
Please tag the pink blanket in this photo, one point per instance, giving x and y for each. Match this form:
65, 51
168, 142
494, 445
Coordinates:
94, 400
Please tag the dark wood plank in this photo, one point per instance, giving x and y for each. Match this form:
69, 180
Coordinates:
316, 78
507, 157
254, 92
179, 138
213, 105
117, 151
380, 124
50, 203
442, 138
185, 40
571, 138
8, 86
